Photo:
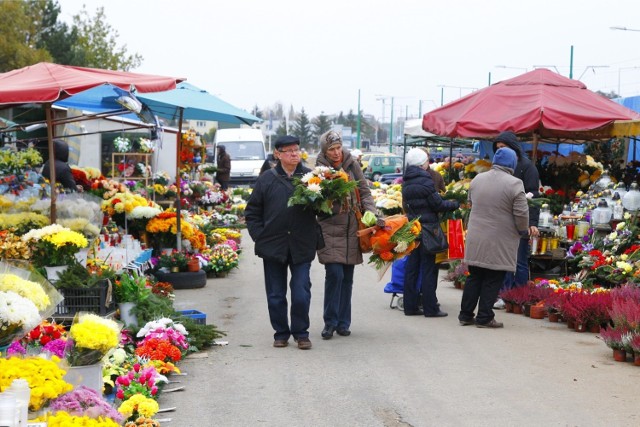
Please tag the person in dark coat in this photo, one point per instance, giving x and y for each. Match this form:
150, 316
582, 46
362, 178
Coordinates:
527, 172
342, 250
420, 199
63, 172
269, 162
438, 180
499, 216
286, 238
223, 164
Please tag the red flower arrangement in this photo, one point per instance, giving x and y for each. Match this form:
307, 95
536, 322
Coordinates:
46, 332
156, 349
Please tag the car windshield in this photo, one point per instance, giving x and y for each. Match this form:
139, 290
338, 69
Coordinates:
245, 150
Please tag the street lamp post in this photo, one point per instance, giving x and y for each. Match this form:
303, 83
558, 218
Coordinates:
453, 87
382, 98
420, 101
623, 29
592, 67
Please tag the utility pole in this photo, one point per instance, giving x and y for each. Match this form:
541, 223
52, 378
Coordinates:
359, 115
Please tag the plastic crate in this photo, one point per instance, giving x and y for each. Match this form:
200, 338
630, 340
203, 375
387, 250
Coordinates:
197, 316
98, 300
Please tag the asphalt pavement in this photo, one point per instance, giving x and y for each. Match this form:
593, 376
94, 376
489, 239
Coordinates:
393, 370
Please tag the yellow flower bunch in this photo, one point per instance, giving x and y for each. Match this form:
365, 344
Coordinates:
18, 161
137, 405
65, 419
67, 237
25, 288
12, 246
22, 221
92, 173
229, 233
5, 202
159, 189
44, 377
81, 225
94, 332
123, 202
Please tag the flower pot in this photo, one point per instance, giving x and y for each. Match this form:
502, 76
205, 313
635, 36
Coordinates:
457, 284
222, 274
89, 376
594, 328
537, 312
620, 355
52, 272
636, 359
526, 309
553, 317
517, 309
211, 274
126, 315
571, 324
508, 306
193, 265
581, 327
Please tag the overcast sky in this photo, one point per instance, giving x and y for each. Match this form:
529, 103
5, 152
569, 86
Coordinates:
318, 54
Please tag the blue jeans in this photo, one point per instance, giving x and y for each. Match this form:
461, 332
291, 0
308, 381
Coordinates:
421, 273
338, 286
521, 276
275, 281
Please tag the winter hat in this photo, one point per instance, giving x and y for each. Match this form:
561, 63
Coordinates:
286, 140
416, 157
510, 139
329, 139
505, 157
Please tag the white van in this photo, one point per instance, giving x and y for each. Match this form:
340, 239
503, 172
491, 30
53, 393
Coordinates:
247, 151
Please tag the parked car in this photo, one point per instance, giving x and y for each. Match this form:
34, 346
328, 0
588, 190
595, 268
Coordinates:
375, 165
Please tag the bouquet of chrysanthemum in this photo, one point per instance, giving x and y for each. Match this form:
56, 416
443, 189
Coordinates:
159, 349
320, 188
139, 380
222, 258
122, 144
138, 405
146, 145
12, 246
142, 422
393, 241
213, 197
63, 419
85, 401
90, 338
140, 216
45, 378
54, 245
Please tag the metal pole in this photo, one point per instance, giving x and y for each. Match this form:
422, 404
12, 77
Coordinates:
178, 195
358, 140
391, 128
571, 64
52, 158
441, 96
489, 79
420, 108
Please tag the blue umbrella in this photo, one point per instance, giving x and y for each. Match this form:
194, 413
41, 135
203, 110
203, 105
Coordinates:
192, 103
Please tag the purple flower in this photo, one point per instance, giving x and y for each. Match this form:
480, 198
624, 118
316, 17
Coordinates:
16, 349
85, 401
56, 347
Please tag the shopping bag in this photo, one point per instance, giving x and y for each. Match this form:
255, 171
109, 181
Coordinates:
455, 237
444, 255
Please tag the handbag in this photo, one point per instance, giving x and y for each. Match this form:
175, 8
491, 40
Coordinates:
364, 239
433, 238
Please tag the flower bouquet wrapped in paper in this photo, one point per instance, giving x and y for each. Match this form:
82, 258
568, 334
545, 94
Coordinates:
321, 187
90, 339
122, 144
25, 299
54, 245
395, 240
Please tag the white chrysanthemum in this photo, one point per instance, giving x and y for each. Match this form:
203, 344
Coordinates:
315, 188
17, 310
39, 233
319, 170
401, 247
620, 226
306, 177
146, 212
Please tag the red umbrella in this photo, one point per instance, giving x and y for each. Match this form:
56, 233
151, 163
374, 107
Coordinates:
45, 83
539, 103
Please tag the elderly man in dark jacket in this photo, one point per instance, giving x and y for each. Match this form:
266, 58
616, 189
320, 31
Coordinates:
223, 165
420, 199
499, 216
342, 250
286, 238
526, 171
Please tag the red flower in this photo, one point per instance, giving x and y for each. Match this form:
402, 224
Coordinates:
549, 192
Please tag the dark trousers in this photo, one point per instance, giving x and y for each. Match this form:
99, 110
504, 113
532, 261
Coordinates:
480, 289
338, 287
521, 276
224, 184
421, 273
275, 280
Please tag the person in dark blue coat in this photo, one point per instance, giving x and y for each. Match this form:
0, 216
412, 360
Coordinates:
286, 238
420, 199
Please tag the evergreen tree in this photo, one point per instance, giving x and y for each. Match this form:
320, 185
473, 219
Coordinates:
321, 124
351, 121
302, 128
256, 112
340, 120
282, 129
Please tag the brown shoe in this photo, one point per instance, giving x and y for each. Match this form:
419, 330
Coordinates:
304, 343
280, 343
492, 324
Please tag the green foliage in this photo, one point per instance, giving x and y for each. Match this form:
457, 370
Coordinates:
19, 33
322, 125
154, 307
76, 276
302, 128
132, 287
200, 336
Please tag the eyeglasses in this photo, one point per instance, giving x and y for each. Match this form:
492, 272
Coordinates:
294, 151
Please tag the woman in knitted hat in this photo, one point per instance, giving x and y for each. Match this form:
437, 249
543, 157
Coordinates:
420, 199
342, 250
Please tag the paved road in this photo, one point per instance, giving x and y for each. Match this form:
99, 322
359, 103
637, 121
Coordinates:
394, 370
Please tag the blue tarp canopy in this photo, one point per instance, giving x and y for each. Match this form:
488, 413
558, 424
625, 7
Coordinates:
98, 100
196, 103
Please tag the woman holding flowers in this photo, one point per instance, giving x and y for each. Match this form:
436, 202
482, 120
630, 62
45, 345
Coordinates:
285, 239
421, 200
342, 251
